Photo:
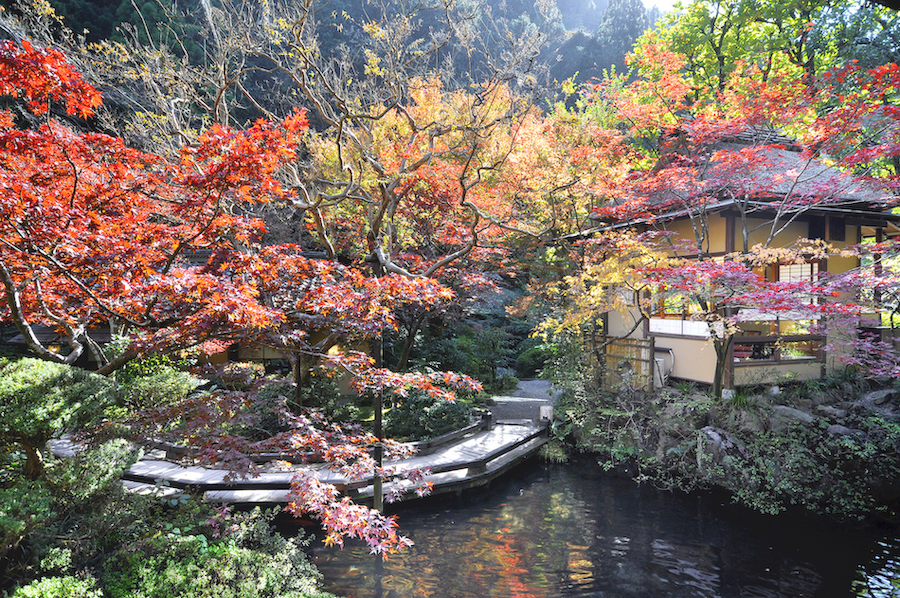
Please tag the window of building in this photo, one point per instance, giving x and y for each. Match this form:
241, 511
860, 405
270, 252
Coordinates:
798, 272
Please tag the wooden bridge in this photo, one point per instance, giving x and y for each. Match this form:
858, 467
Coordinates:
463, 459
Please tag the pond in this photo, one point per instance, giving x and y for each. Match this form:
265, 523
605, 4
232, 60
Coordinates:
548, 531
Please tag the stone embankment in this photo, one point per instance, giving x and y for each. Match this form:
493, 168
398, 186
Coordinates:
833, 450
823, 420
763, 416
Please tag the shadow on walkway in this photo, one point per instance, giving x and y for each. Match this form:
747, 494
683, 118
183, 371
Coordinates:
525, 402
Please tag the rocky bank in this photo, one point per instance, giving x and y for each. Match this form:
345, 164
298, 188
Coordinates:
830, 448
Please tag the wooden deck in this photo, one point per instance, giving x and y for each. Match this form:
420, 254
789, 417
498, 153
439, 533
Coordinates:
466, 462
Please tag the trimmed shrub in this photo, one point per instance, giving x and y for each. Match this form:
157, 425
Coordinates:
530, 362
160, 388
80, 478
419, 415
253, 562
40, 401
60, 587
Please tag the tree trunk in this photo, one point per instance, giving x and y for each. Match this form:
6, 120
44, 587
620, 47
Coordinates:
297, 374
722, 347
408, 343
34, 462
378, 350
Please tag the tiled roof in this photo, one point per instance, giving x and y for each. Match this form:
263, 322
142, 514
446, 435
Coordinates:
783, 172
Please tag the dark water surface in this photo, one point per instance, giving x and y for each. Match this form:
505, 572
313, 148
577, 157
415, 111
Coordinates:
550, 531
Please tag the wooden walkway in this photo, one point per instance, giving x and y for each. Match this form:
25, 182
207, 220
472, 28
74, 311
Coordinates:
467, 462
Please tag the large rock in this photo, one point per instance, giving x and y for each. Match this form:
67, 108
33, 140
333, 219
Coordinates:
879, 397
745, 422
783, 416
684, 417
720, 456
832, 412
882, 402
678, 422
839, 430
818, 398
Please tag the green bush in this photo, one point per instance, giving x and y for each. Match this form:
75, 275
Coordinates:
482, 350
60, 587
275, 395
322, 393
81, 533
238, 375
76, 532
82, 477
530, 362
254, 562
43, 399
40, 401
160, 388
24, 507
136, 547
419, 416
144, 366
152, 381
825, 473
271, 399
532, 359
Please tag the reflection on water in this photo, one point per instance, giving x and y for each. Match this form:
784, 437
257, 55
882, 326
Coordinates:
566, 531
880, 576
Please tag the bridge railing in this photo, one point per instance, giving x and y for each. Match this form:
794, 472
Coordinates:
427, 447
475, 466
175, 452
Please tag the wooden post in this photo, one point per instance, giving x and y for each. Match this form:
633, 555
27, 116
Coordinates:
488, 419
377, 484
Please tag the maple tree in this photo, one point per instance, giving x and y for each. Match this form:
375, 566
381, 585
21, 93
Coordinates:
389, 116
213, 427
98, 234
737, 147
401, 172
759, 146
728, 293
400, 175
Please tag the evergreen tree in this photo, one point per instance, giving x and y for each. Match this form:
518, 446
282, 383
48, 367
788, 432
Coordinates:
623, 22
582, 15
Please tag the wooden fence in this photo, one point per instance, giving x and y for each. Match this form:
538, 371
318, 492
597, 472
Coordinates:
622, 364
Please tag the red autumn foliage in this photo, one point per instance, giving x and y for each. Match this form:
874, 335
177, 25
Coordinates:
93, 233
771, 152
